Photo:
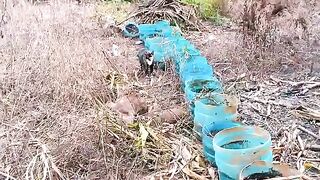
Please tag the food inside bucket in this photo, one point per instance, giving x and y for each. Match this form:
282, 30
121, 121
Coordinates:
243, 144
266, 175
131, 28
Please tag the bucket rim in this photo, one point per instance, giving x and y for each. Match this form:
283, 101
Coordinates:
206, 130
244, 128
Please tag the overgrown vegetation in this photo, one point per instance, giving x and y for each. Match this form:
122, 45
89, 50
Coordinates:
175, 12
209, 9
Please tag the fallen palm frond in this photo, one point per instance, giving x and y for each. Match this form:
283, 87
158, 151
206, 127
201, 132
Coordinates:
172, 10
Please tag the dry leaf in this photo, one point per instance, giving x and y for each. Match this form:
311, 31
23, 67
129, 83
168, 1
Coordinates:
129, 106
201, 161
308, 166
212, 173
185, 153
232, 102
192, 174
152, 133
138, 103
143, 135
173, 115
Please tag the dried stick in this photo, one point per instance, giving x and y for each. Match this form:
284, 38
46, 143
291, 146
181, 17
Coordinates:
309, 132
268, 102
314, 147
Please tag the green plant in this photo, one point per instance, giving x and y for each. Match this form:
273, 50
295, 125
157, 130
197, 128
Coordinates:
209, 9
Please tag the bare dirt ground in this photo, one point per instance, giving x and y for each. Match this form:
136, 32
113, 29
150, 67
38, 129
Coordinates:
59, 73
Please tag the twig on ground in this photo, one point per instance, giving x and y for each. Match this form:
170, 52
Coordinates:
19, 128
303, 86
267, 102
307, 113
309, 132
305, 177
301, 144
292, 83
314, 147
311, 160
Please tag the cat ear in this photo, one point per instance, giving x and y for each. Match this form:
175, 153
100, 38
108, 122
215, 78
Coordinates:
152, 53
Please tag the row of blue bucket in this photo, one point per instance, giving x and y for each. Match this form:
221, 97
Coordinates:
227, 144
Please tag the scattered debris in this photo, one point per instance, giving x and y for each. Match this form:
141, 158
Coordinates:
307, 113
309, 132
115, 50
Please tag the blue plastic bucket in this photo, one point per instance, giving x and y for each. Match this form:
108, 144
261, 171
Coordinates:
172, 33
213, 109
195, 66
237, 147
160, 42
131, 29
178, 57
184, 46
161, 46
183, 51
202, 86
206, 73
148, 31
193, 89
191, 62
208, 132
157, 29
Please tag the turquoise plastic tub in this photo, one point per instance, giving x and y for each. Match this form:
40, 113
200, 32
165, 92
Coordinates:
197, 87
147, 31
162, 48
193, 89
208, 132
184, 46
201, 73
194, 66
160, 28
212, 110
237, 147
160, 42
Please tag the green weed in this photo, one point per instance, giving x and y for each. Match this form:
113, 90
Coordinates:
209, 9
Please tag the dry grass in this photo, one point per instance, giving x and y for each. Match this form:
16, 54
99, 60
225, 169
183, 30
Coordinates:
57, 75
53, 73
